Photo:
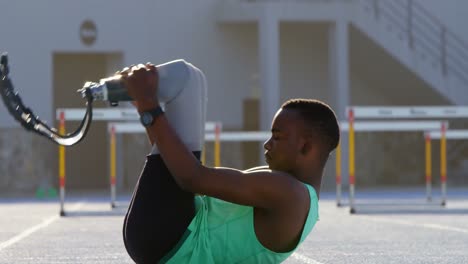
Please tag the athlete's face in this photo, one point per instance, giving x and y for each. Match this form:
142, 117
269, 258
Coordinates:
284, 147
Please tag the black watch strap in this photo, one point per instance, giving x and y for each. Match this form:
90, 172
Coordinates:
147, 118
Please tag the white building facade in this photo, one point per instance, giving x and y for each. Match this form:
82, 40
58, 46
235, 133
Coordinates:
357, 52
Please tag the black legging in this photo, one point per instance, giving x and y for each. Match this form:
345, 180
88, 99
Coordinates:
158, 215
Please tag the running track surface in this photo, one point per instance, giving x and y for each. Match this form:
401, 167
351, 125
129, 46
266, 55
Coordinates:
395, 226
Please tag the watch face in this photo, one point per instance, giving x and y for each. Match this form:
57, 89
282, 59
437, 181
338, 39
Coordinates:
146, 119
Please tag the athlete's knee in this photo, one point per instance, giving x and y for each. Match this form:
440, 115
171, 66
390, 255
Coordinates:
186, 111
181, 82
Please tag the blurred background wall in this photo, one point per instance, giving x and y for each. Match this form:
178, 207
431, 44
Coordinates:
255, 54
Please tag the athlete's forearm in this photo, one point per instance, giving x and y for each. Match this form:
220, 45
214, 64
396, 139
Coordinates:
178, 158
142, 86
146, 106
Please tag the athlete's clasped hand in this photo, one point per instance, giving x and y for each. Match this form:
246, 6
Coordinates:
141, 82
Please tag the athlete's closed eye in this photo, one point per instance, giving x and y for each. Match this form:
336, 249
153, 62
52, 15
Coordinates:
275, 134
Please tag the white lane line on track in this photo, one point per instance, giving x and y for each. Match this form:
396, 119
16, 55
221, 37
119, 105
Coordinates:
423, 225
447, 228
304, 259
52, 219
34, 229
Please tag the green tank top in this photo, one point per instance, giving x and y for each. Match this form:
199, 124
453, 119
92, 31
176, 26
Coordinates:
223, 232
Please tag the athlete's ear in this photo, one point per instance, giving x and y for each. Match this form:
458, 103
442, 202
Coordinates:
307, 145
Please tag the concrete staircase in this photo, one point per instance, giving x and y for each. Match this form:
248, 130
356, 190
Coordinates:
419, 41
402, 28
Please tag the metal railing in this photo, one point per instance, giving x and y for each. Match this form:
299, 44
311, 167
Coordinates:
288, 1
424, 33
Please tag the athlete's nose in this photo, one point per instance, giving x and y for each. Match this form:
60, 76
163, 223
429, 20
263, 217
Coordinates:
267, 144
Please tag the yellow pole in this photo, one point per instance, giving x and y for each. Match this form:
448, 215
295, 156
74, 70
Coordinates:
62, 165
113, 166
351, 160
443, 163
217, 146
428, 152
203, 155
338, 175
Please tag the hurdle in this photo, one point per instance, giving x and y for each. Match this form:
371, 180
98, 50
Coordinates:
104, 114
399, 112
443, 136
443, 164
114, 128
77, 114
372, 126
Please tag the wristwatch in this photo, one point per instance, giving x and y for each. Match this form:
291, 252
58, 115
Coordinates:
147, 118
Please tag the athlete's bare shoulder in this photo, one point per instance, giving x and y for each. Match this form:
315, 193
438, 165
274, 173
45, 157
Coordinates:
258, 168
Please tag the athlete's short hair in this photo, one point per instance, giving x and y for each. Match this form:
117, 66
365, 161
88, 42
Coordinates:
319, 118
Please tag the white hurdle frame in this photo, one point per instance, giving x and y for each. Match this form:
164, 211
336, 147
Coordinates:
449, 134
115, 128
405, 112
375, 126
77, 114
99, 114
442, 136
214, 134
